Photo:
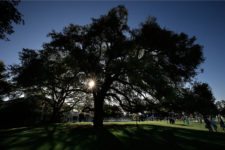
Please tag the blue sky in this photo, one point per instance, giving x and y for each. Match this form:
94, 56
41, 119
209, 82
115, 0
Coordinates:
205, 20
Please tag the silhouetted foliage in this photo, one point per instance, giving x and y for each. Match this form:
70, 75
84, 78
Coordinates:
147, 64
21, 112
5, 86
199, 99
112, 111
46, 73
221, 107
9, 15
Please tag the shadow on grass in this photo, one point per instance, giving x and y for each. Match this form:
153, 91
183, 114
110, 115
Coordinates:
112, 137
59, 137
158, 137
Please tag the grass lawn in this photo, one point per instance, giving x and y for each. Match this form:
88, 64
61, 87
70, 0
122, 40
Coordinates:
114, 136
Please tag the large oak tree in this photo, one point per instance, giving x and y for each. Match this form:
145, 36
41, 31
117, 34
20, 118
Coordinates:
147, 64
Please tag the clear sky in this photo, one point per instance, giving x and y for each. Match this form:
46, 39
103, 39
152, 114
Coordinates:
205, 20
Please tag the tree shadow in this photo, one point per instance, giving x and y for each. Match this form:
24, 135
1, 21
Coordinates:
111, 137
152, 137
60, 137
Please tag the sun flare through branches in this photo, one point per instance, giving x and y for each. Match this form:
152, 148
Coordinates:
91, 84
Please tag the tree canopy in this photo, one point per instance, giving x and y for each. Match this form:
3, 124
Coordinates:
198, 99
147, 64
46, 74
8, 15
221, 106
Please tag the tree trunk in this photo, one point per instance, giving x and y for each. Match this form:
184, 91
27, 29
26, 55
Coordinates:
98, 110
99, 97
55, 116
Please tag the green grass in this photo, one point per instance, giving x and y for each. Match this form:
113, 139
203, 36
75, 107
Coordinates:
114, 136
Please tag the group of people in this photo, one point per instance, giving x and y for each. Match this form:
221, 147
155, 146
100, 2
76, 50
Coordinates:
211, 125
210, 122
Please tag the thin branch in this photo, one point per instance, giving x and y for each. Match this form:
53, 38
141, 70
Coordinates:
114, 96
121, 93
